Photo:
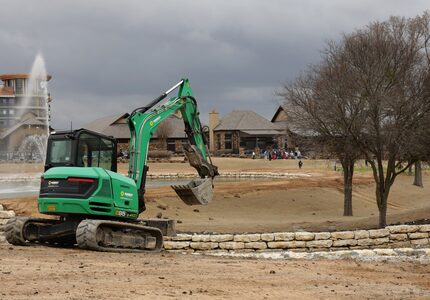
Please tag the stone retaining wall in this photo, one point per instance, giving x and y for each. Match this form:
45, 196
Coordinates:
5, 215
390, 237
230, 175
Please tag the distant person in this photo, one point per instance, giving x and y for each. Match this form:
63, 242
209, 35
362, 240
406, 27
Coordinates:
253, 155
300, 164
270, 155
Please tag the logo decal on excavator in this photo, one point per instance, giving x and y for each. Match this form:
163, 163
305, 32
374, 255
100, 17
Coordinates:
52, 183
152, 123
125, 194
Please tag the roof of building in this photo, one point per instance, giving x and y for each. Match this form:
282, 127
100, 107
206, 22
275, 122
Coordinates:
29, 119
6, 91
278, 111
111, 126
247, 121
117, 127
20, 76
284, 124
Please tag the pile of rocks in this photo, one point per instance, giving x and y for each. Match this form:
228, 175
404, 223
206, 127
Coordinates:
5, 215
390, 237
396, 254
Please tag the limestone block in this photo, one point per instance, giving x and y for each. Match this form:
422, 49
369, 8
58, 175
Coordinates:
381, 241
418, 235
420, 242
298, 250
405, 251
365, 242
221, 237
182, 237
343, 243
169, 245
241, 251
322, 235
402, 228
424, 228
379, 233
284, 236
201, 238
423, 252
3, 221
400, 244
2, 239
203, 245
7, 214
267, 237
358, 247
304, 236
1, 207
342, 235
256, 245
385, 252
361, 234
216, 251
183, 251
2, 228
398, 236
286, 245
247, 237
232, 245
319, 244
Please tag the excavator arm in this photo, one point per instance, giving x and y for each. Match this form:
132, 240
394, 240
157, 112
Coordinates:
143, 123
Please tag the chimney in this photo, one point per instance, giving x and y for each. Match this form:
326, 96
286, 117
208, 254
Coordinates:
213, 122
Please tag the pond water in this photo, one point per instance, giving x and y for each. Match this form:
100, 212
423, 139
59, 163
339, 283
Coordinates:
23, 188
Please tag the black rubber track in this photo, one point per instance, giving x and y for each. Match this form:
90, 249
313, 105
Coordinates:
86, 236
14, 231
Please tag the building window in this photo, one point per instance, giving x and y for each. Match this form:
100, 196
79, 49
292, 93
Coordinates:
228, 141
20, 86
5, 111
12, 101
11, 111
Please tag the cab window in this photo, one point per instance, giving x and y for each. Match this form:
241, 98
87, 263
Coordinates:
61, 151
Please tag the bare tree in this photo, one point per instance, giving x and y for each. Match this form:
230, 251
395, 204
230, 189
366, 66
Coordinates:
317, 103
391, 77
370, 93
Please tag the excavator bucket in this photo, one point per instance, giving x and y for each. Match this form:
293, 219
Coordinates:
196, 192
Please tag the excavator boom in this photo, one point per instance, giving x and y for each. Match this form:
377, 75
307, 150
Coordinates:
143, 123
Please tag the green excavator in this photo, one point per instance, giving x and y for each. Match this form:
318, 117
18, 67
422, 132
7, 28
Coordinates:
97, 208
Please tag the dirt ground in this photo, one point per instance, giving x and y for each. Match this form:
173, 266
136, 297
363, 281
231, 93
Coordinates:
50, 273
313, 203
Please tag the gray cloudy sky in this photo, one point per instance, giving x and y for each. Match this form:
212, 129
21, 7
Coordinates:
113, 56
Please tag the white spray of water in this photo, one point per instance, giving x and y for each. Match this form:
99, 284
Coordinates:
37, 88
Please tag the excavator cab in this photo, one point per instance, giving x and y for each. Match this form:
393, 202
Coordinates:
81, 148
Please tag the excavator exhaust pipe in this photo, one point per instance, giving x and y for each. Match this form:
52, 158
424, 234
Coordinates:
196, 192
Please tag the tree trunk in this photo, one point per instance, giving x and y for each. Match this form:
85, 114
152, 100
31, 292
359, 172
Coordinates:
410, 170
418, 180
383, 215
348, 172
